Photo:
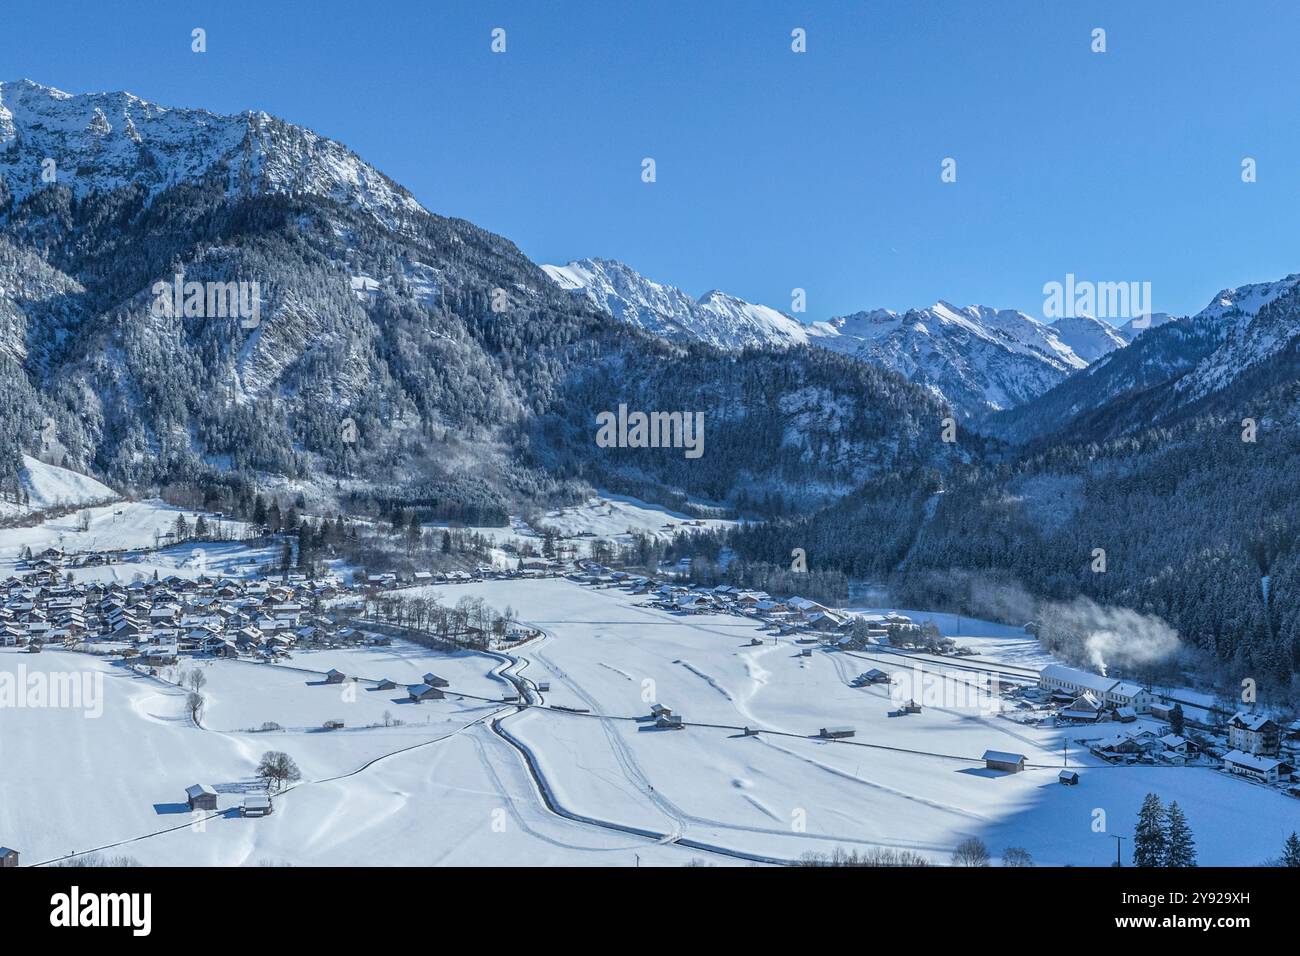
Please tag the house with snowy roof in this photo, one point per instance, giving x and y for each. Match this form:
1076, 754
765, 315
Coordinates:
1261, 768
1254, 734
1060, 679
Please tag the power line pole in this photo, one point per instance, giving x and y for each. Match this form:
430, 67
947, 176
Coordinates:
1119, 843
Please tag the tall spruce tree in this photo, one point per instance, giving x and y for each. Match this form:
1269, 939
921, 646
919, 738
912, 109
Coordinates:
1180, 848
1291, 851
1177, 722
1149, 840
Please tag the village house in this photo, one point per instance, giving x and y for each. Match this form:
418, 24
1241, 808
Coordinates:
1256, 767
1060, 679
1085, 708
1254, 734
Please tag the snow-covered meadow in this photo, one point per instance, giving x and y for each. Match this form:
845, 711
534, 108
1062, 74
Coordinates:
436, 782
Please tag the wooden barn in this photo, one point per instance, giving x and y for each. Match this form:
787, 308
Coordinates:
424, 692
201, 797
831, 733
8, 857
256, 806
1068, 777
1001, 760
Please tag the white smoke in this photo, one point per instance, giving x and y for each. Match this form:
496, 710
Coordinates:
1104, 636
1113, 636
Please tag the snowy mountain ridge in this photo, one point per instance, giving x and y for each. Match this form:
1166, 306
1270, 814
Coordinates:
98, 142
977, 358
719, 319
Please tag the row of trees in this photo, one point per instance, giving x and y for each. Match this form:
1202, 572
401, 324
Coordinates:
472, 623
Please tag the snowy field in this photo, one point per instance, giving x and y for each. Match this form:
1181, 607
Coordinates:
123, 525
439, 788
442, 786
606, 517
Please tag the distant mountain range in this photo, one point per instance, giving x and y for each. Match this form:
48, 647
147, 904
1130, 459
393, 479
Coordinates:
977, 359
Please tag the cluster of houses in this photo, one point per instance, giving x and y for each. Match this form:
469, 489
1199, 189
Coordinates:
1085, 697
1146, 746
157, 620
1253, 749
785, 615
1256, 741
1254, 745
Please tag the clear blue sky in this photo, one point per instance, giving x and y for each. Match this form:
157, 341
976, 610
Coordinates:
775, 170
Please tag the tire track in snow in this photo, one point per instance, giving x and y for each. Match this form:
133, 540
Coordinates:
837, 772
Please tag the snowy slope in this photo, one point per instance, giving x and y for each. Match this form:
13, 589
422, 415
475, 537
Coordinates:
1087, 337
103, 141
1131, 330
49, 486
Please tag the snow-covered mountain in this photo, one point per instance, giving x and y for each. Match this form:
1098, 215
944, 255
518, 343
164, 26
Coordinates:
1131, 329
976, 358
716, 318
420, 356
98, 142
1243, 338
1087, 337
1257, 323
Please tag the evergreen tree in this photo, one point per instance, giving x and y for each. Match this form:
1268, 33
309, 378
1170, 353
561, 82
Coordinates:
1149, 840
1180, 848
306, 544
1176, 720
1291, 851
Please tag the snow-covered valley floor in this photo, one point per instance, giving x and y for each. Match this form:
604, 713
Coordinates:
445, 786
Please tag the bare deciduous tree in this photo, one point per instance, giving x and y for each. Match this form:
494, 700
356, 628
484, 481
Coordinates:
1016, 856
971, 852
277, 770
